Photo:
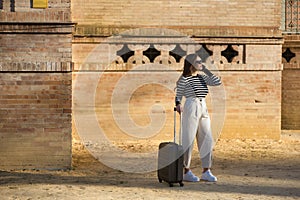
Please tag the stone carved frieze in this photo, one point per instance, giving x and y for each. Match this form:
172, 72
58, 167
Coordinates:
130, 55
288, 55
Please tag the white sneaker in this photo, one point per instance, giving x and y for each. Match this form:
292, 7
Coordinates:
208, 176
190, 177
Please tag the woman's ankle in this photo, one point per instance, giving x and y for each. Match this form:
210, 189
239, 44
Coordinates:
186, 170
205, 169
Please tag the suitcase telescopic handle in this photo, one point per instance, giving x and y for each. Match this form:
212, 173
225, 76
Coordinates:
180, 133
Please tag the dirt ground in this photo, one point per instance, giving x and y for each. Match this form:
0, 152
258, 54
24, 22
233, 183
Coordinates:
246, 169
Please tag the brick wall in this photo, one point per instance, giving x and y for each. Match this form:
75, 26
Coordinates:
36, 55
36, 85
177, 13
195, 18
35, 125
290, 84
290, 99
252, 79
252, 83
252, 104
37, 48
57, 11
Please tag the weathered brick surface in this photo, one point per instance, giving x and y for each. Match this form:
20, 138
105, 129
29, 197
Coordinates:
57, 11
177, 13
35, 124
252, 103
195, 18
290, 84
42, 52
253, 91
252, 80
291, 99
35, 82
28, 48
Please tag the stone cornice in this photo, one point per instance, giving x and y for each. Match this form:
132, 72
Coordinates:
36, 27
36, 66
96, 30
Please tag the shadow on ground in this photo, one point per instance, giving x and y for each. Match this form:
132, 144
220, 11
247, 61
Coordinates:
234, 177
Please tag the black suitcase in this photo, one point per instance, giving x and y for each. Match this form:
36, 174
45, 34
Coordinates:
170, 160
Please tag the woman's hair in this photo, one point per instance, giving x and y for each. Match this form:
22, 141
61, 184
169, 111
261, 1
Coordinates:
188, 61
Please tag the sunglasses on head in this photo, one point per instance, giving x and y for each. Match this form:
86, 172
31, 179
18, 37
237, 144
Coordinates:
198, 61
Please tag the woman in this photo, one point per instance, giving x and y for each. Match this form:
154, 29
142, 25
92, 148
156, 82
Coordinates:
195, 117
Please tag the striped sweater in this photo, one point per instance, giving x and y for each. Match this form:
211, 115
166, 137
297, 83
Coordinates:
195, 86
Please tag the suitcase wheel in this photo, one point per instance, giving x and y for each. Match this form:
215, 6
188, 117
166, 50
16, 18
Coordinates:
181, 184
160, 180
171, 184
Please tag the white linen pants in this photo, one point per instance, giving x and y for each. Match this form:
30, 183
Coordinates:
196, 124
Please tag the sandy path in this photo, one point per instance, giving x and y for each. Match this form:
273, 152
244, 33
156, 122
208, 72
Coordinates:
246, 169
